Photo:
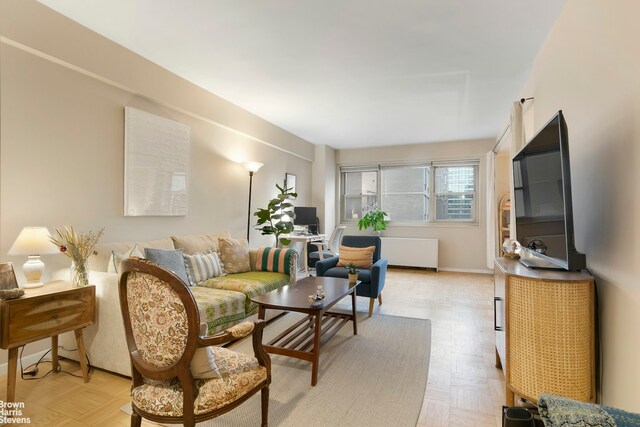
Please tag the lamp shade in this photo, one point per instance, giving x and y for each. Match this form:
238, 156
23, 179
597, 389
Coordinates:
252, 166
33, 241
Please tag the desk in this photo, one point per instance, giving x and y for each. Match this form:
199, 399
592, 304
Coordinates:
45, 313
304, 239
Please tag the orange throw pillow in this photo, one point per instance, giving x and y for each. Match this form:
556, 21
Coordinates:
361, 257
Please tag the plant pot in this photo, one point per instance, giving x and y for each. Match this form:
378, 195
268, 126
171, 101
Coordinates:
353, 277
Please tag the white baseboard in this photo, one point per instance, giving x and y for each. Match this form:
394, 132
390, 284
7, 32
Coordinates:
26, 361
467, 270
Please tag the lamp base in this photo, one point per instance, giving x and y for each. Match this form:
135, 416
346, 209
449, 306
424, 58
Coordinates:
32, 285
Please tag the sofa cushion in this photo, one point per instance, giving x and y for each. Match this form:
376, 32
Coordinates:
118, 257
199, 243
234, 254
201, 267
100, 261
171, 260
251, 284
363, 275
219, 308
361, 257
165, 244
274, 259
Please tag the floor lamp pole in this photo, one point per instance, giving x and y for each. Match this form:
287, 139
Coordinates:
249, 208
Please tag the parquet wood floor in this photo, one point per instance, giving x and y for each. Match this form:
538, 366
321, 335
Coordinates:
464, 388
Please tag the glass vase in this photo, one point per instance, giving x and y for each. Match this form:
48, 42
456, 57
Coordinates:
79, 274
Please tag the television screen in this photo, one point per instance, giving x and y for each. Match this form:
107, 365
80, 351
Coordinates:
542, 199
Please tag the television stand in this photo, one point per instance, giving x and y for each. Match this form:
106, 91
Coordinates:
545, 332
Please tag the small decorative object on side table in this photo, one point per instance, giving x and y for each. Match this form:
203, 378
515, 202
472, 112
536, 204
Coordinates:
8, 283
78, 247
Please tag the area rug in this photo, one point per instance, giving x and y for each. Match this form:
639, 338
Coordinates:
376, 378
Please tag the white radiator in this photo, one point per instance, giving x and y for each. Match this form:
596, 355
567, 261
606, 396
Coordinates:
410, 252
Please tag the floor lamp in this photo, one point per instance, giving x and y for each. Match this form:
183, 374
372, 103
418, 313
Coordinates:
252, 167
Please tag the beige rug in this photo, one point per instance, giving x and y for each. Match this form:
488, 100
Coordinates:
376, 378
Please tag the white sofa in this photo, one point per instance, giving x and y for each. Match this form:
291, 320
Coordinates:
105, 340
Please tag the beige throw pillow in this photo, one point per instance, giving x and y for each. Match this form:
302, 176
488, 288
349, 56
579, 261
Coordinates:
234, 254
203, 365
117, 258
361, 257
199, 243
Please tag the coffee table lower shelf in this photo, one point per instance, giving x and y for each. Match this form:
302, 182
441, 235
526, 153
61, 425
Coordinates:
298, 340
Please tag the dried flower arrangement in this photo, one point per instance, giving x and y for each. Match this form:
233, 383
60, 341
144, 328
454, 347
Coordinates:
79, 247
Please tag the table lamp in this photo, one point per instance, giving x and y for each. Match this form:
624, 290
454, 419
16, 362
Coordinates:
33, 241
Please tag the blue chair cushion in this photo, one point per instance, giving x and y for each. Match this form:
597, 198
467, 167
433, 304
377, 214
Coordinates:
316, 254
363, 275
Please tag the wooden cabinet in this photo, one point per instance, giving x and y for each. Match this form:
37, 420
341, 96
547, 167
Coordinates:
45, 313
545, 332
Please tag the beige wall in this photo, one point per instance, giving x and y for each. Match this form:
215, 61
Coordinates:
63, 90
461, 247
590, 68
324, 183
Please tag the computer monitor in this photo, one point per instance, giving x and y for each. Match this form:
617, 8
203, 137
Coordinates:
306, 216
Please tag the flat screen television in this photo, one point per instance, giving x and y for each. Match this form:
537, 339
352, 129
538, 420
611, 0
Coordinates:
542, 200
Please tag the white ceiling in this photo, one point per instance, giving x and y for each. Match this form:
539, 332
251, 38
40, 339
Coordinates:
346, 73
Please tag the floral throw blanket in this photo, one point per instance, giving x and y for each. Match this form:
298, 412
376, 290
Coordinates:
557, 411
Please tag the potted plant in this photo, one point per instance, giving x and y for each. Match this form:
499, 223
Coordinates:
374, 218
277, 217
353, 272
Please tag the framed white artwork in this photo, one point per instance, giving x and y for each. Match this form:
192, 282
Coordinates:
156, 165
290, 182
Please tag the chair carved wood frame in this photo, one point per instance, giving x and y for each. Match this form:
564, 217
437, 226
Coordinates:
158, 360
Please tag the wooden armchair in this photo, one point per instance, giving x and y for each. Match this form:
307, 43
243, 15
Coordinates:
162, 327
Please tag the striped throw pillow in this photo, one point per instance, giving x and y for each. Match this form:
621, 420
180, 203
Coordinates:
274, 259
361, 257
201, 267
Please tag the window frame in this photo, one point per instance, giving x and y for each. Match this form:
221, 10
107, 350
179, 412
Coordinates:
430, 191
474, 193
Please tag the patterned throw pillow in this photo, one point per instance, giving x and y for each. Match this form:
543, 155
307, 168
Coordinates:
201, 267
171, 260
361, 257
234, 254
273, 259
117, 258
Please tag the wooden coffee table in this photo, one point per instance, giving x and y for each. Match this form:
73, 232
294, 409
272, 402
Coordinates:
304, 339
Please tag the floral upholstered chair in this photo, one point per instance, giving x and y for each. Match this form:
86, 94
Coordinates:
162, 327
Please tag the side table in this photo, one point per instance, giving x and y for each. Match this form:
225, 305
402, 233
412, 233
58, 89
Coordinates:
45, 313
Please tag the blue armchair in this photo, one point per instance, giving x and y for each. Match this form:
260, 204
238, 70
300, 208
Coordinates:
372, 280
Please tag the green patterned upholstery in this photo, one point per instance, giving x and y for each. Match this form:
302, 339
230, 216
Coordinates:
251, 284
219, 308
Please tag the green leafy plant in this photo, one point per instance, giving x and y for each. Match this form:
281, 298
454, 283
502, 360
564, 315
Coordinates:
277, 217
352, 268
374, 218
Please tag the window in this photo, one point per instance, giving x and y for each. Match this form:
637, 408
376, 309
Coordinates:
455, 192
418, 193
359, 191
405, 192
